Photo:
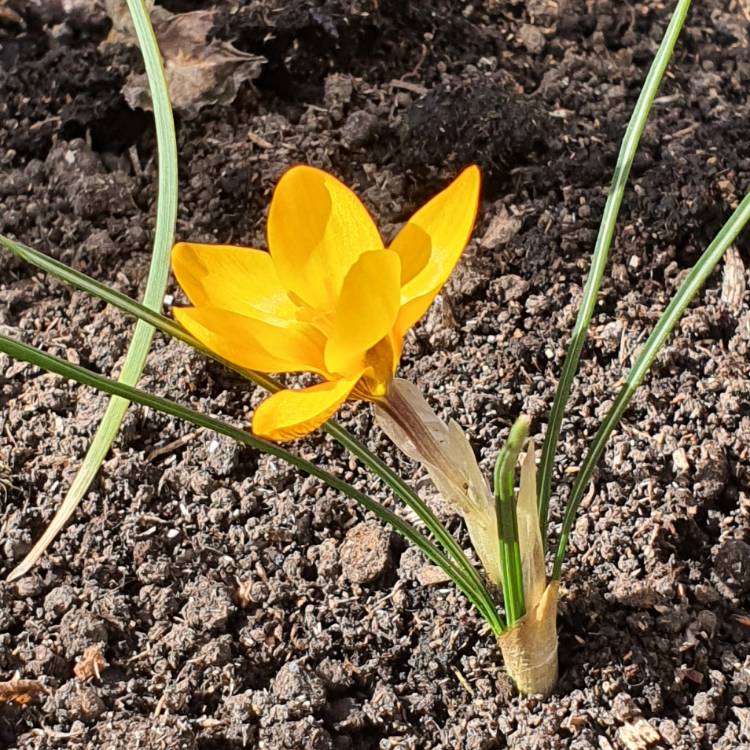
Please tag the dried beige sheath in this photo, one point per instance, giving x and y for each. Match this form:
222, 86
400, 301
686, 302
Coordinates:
529, 533
445, 452
529, 648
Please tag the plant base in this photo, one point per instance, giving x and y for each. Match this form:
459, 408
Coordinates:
529, 648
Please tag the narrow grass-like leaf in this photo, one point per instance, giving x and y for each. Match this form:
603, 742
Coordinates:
31, 354
669, 319
505, 508
155, 286
601, 252
171, 328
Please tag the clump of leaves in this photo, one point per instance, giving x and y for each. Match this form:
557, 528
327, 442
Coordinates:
329, 298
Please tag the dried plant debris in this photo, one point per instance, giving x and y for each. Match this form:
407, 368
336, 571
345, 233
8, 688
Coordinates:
638, 735
199, 73
9, 16
6, 481
733, 281
91, 664
122, 31
20, 691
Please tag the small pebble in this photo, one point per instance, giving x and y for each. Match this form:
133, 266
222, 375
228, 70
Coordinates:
365, 553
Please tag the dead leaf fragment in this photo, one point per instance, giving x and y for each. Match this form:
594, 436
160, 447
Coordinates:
638, 735
20, 691
432, 575
733, 281
503, 227
123, 31
9, 17
199, 73
90, 664
244, 593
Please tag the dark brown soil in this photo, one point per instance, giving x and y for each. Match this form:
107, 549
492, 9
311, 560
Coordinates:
227, 592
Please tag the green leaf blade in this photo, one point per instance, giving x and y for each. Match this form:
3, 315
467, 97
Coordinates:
664, 327
507, 522
128, 393
625, 158
168, 326
156, 284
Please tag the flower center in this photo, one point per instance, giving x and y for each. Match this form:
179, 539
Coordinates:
379, 361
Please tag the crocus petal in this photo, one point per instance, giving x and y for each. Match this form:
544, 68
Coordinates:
317, 228
413, 246
240, 279
292, 414
412, 311
366, 310
447, 220
255, 344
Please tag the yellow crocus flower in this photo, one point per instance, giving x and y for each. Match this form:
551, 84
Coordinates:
328, 298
